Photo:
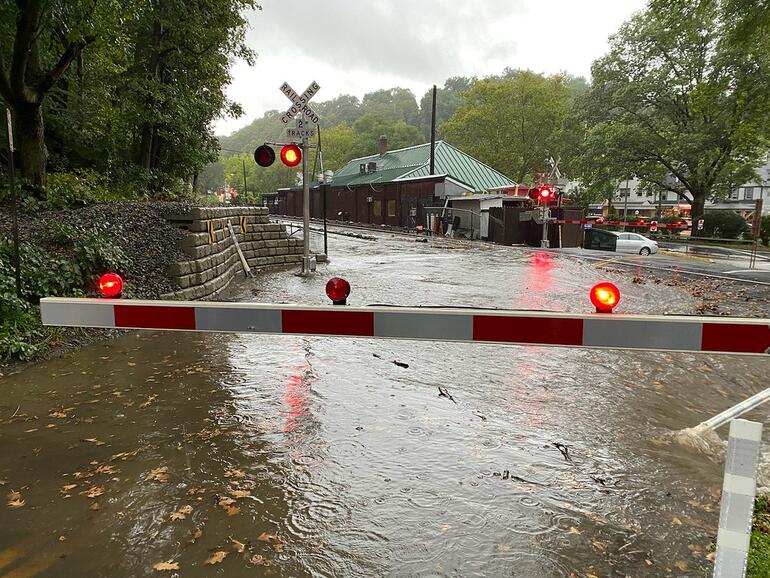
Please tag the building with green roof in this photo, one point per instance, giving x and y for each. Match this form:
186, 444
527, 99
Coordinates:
413, 162
395, 188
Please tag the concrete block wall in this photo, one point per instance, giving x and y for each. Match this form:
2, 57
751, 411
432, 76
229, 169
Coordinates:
213, 260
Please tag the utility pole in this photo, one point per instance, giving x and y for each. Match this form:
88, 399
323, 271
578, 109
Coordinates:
433, 134
625, 205
14, 203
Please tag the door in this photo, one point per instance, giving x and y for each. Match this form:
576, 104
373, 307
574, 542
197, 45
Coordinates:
625, 243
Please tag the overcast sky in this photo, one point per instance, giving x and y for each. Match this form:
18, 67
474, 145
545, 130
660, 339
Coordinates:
357, 46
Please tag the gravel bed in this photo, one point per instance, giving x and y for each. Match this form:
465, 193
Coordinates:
140, 229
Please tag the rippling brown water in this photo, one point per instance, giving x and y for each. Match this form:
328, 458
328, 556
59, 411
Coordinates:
345, 464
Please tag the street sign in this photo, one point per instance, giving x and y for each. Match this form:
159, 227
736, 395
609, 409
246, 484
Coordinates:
300, 103
303, 129
653, 226
700, 224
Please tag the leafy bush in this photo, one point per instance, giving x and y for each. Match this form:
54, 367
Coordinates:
764, 230
724, 225
43, 274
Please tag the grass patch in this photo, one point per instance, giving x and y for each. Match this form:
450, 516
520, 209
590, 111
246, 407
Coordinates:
759, 551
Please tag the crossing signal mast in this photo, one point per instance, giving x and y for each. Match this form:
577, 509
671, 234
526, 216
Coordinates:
295, 152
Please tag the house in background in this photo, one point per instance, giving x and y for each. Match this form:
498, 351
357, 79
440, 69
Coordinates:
628, 197
396, 188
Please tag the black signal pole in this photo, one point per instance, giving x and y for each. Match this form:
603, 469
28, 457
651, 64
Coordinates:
243, 161
14, 203
433, 133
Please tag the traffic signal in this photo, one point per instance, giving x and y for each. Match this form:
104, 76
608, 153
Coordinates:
543, 194
110, 285
291, 156
264, 155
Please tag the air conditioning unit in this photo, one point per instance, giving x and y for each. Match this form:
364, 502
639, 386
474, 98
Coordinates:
362, 169
371, 167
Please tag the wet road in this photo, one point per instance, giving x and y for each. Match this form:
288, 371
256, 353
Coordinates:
296, 456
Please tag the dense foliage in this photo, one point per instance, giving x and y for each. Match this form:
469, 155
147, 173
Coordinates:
128, 89
53, 270
680, 101
724, 225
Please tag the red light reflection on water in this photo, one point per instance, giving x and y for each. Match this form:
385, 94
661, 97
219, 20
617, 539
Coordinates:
296, 399
538, 281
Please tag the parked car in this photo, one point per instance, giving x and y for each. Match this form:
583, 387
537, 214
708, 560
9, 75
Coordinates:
635, 243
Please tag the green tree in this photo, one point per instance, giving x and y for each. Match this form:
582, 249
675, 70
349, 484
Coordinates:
677, 104
724, 224
338, 144
448, 101
371, 126
34, 55
344, 109
512, 123
393, 105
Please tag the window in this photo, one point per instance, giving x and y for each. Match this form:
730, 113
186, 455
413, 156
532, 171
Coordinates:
377, 208
734, 195
625, 236
624, 192
748, 193
391, 208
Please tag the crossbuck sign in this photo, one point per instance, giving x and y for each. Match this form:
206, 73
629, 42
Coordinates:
299, 103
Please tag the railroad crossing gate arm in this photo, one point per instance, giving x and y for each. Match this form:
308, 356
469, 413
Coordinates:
608, 331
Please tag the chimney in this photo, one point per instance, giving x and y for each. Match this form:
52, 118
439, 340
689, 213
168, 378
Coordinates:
382, 144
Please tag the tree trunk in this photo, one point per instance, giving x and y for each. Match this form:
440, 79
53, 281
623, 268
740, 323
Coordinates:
145, 146
30, 135
696, 211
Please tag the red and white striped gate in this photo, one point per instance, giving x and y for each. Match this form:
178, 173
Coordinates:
610, 331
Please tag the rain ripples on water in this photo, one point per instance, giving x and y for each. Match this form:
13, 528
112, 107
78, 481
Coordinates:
305, 456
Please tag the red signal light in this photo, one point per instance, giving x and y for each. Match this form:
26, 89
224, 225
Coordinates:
291, 156
110, 285
337, 289
544, 193
605, 297
264, 156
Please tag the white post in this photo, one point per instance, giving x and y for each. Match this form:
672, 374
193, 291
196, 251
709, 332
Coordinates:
544, 243
738, 492
307, 265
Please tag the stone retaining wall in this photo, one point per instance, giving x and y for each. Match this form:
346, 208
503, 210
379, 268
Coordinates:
213, 260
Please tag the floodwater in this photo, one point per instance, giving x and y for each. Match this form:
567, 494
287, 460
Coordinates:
300, 456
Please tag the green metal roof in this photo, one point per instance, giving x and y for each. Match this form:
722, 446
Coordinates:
413, 162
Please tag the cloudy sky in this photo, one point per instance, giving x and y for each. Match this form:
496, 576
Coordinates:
357, 46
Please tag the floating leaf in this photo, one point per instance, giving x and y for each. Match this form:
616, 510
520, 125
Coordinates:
123, 456
225, 501
62, 538
93, 441
193, 491
676, 521
681, 564
92, 492
240, 493
67, 487
95, 507
259, 560
181, 514
574, 530
216, 557
265, 537
235, 474
158, 474
15, 500
239, 547
106, 469
166, 566
195, 534
232, 510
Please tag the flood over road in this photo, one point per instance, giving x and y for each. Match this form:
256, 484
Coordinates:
311, 456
